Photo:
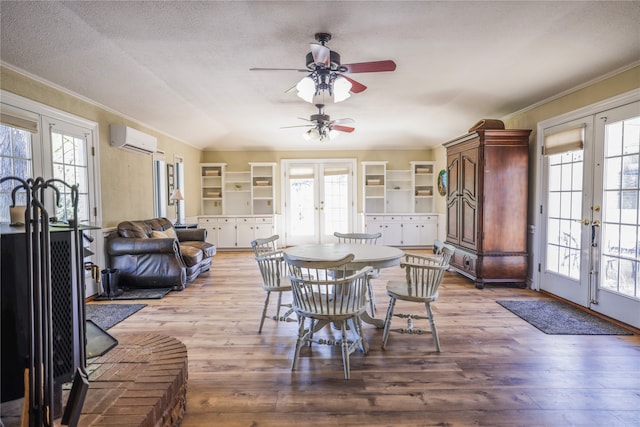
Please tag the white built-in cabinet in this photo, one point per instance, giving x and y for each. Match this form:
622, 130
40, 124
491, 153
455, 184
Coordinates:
400, 203
236, 232
237, 206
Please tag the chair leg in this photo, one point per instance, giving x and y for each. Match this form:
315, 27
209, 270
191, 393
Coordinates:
372, 300
432, 323
264, 311
345, 350
357, 328
279, 304
387, 322
299, 342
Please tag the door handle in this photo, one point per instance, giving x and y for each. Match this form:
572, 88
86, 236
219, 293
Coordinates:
582, 221
596, 223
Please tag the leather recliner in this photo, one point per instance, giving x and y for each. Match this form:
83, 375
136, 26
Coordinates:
152, 254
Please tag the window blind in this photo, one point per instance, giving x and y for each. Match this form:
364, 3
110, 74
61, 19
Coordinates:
22, 123
566, 140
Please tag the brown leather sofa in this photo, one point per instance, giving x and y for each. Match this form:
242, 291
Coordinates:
152, 254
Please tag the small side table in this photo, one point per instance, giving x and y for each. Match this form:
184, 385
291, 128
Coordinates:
182, 226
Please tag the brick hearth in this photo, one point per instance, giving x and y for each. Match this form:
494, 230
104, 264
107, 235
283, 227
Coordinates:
140, 382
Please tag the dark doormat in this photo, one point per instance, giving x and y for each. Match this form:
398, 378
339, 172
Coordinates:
108, 315
132, 293
558, 318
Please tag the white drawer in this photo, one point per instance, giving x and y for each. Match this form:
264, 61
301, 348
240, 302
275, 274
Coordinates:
264, 220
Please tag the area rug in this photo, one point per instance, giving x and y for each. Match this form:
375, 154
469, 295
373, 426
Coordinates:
131, 294
558, 318
109, 315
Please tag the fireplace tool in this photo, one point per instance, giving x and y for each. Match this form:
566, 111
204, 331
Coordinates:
39, 373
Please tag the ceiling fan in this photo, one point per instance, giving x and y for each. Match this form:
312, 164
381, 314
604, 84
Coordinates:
327, 74
322, 128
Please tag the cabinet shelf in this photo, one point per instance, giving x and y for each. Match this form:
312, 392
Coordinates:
398, 190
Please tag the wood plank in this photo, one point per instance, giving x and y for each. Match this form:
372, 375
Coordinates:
494, 367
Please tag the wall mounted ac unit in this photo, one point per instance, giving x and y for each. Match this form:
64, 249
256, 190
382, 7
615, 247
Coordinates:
131, 139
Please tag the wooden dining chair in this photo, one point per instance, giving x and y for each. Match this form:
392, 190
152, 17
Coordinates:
423, 277
324, 297
364, 239
274, 272
358, 238
265, 245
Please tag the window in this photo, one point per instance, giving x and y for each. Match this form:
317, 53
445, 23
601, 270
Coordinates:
69, 157
159, 189
39, 141
15, 160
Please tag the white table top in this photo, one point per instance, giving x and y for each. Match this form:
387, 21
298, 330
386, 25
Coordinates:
376, 256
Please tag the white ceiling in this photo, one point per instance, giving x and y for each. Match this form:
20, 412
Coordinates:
182, 68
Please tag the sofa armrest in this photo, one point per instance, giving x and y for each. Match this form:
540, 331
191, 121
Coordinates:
140, 246
191, 234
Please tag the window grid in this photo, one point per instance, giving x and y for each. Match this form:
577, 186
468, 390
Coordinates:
70, 166
15, 160
621, 209
564, 213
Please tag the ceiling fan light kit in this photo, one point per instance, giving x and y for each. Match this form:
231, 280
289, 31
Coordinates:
326, 80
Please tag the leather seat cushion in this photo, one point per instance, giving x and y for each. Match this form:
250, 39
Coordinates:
207, 249
191, 255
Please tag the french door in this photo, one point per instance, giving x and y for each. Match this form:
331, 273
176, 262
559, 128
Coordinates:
318, 199
72, 162
591, 216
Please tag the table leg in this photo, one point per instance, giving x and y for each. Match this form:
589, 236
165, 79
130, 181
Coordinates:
366, 318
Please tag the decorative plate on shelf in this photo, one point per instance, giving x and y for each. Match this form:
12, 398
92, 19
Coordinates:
442, 182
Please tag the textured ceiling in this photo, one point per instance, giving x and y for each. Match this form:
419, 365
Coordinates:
182, 68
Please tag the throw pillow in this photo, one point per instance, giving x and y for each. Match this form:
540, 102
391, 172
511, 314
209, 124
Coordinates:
170, 232
155, 234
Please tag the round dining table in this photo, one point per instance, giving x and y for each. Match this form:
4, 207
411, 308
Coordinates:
376, 256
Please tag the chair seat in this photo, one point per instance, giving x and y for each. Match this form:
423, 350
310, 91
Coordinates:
285, 285
400, 290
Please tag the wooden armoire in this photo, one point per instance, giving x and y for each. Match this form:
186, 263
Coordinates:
487, 205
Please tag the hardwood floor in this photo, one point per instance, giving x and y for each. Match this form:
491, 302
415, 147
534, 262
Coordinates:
494, 369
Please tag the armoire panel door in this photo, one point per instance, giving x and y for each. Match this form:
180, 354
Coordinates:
469, 203
453, 198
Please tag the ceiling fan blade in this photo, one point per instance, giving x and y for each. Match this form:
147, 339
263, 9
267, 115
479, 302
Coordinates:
298, 126
291, 89
343, 128
342, 121
321, 54
278, 69
356, 87
370, 67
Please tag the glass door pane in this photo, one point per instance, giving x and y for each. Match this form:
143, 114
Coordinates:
69, 155
566, 228
318, 200
335, 200
617, 290
301, 207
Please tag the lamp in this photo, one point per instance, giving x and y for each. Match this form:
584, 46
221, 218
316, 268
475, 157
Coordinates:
306, 89
176, 195
341, 88
320, 133
321, 82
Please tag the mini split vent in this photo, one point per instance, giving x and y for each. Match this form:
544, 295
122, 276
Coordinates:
132, 139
